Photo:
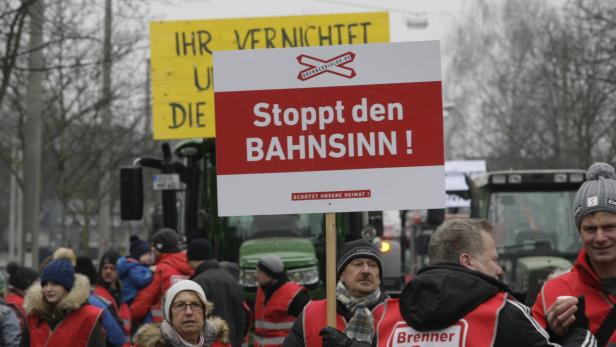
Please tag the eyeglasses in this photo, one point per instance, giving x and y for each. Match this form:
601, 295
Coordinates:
181, 306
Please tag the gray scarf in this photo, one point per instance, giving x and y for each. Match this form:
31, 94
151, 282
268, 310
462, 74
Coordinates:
361, 325
167, 330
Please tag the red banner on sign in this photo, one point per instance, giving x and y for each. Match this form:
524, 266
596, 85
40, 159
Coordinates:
332, 128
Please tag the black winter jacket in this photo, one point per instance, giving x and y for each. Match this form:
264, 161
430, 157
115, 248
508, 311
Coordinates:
442, 294
224, 291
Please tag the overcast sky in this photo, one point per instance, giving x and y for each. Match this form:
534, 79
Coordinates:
439, 14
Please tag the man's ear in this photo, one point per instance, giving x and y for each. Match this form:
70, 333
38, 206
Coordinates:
466, 260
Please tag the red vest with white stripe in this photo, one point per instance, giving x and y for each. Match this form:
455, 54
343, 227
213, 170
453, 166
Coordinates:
74, 330
314, 319
476, 329
272, 321
123, 311
580, 280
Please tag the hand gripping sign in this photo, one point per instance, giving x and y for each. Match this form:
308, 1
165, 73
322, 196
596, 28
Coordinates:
335, 65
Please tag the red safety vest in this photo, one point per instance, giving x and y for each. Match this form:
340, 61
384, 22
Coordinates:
74, 330
272, 321
12, 297
123, 311
314, 319
476, 329
17, 300
580, 280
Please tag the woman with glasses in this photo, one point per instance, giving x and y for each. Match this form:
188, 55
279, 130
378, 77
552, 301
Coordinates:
185, 321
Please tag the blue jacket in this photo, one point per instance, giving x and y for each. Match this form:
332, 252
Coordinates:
115, 334
134, 276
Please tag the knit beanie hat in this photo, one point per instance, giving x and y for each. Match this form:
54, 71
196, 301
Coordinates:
358, 249
138, 247
59, 271
21, 277
109, 257
272, 265
598, 193
200, 249
85, 266
177, 288
165, 241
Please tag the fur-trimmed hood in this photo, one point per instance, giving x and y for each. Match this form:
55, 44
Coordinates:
150, 335
35, 303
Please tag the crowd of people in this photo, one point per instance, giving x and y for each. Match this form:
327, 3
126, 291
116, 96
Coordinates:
161, 295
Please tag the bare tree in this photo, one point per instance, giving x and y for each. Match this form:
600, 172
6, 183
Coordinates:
535, 79
12, 20
73, 140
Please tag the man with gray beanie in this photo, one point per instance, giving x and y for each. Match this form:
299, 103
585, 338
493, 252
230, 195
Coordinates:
359, 269
278, 302
594, 274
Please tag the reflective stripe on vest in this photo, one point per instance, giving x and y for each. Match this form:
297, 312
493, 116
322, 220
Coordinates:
273, 326
246, 341
314, 318
272, 320
104, 300
269, 340
74, 330
477, 328
157, 314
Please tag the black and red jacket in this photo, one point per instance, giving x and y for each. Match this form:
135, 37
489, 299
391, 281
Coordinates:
441, 296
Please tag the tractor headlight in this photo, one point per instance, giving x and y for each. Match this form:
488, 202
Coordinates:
247, 278
385, 246
304, 276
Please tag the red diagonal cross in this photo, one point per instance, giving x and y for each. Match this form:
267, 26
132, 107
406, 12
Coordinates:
335, 65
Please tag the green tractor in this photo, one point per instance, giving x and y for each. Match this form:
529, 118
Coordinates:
532, 214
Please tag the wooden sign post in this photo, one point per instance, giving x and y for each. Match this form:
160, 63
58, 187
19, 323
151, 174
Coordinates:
330, 267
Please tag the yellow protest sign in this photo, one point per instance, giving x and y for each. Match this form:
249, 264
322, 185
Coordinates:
181, 58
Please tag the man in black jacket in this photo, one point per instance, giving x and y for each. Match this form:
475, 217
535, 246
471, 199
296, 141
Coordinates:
460, 301
219, 286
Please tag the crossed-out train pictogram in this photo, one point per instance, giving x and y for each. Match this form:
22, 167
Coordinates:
335, 65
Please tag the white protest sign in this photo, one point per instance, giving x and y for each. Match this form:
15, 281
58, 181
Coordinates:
329, 129
455, 181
